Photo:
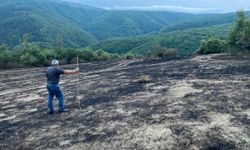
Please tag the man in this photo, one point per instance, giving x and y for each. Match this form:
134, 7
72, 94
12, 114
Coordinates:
53, 76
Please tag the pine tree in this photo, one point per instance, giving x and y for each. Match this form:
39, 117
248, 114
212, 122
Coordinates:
245, 37
239, 37
24, 44
59, 41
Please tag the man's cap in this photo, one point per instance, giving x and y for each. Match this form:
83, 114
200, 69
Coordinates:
54, 62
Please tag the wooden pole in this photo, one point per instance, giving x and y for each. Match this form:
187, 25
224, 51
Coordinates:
77, 84
77, 63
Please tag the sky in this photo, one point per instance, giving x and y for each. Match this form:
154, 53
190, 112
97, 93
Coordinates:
192, 6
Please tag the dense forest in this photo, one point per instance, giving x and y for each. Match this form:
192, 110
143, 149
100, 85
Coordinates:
186, 41
33, 32
81, 25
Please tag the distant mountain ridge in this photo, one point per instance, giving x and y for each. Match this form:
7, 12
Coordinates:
81, 25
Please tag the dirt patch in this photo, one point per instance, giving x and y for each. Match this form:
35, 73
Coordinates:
181, 89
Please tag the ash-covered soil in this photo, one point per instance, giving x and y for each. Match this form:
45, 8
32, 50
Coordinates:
197, 103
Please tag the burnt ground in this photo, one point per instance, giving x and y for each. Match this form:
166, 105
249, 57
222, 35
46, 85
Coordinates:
198, 103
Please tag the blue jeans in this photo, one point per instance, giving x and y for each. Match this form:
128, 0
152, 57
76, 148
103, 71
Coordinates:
54, 90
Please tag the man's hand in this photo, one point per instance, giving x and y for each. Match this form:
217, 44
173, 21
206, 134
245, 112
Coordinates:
77, 70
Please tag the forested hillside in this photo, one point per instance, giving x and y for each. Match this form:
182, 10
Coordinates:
185, 41
131, 23
43, 21
32, 32
79, 25
202, 20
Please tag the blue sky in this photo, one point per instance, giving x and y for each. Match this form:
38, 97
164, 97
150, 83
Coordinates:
194, 6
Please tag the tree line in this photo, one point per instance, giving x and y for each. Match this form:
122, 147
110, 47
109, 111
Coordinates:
33, 54
238, 42
30, 54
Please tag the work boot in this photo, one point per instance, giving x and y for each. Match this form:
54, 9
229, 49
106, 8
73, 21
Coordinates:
64, 110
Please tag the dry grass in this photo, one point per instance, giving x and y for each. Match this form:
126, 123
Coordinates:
145, 79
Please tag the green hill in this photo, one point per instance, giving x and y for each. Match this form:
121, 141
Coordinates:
117, 31
186, 41
131, 23
80, 25
42, 21
201, 20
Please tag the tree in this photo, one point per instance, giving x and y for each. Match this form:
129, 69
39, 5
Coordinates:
238, 28
245, 37
239, 37
24, 42
59, 41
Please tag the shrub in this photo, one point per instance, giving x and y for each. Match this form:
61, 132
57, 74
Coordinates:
115, 56
49, 53
5, 56
32, 55
211, 46
99, 52
87, 55
164, 52
104, 57
67, 55
129, 55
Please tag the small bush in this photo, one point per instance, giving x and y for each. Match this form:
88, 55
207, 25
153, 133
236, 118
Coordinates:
33, 56
5, 56
129, 55
115, 56
211, 46
104, 57
164, 52
87, 55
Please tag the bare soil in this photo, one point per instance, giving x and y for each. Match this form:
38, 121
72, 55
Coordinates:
196, 103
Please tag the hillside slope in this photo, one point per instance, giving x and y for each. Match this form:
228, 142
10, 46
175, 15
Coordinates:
198, 103
201, 20
82, 25
131, 23
42, 21
186, 41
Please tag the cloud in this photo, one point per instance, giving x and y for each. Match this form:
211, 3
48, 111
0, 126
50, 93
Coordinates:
163, 8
